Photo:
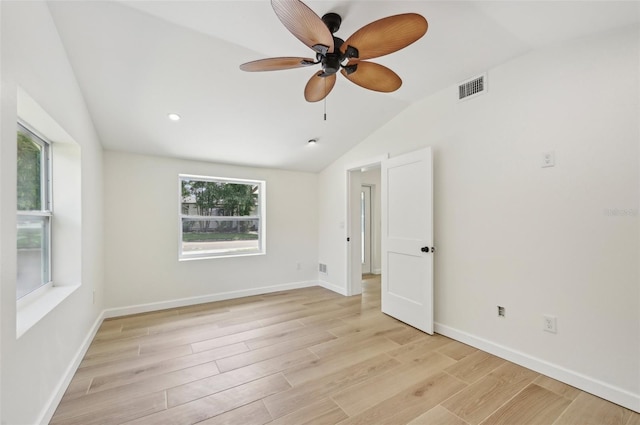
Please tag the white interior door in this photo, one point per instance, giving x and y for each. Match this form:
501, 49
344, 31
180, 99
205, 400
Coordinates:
407, 239
365, 228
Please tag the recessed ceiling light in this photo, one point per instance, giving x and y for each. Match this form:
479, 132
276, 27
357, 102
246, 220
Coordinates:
173, 117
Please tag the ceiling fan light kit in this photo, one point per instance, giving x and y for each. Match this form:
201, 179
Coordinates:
376, 39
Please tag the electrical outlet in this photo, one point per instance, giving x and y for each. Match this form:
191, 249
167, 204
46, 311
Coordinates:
550, 324
548, 159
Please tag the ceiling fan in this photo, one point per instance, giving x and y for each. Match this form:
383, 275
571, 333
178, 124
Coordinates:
376, 39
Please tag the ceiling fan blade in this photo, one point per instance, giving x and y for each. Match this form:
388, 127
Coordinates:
387, 35
373, 76
319, 87
303, 22
276, 64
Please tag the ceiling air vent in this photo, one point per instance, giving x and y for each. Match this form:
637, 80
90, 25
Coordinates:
472, 87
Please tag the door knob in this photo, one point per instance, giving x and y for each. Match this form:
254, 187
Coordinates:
424, 249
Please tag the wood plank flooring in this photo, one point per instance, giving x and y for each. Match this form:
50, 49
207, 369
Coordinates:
307, 356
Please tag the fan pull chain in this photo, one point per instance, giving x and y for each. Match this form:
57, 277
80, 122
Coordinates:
325, 108
325, 99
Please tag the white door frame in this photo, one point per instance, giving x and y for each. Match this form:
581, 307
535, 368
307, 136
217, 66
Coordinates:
366, 213
352, 227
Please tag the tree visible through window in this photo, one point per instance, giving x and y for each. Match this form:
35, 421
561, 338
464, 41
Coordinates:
34, 213
220, 217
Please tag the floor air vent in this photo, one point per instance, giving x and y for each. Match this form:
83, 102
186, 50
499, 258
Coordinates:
473, 87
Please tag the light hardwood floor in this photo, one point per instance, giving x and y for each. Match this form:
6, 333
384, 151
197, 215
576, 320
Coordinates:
307, 356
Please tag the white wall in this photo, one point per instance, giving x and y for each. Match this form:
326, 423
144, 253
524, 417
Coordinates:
561, 241
141, 218
36, 366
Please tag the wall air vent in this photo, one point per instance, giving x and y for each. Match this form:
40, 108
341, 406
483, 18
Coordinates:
472, 87
323, 268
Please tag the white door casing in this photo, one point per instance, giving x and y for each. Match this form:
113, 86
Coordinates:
365, 228
407, 231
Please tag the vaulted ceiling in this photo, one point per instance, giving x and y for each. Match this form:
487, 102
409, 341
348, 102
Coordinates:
137, 61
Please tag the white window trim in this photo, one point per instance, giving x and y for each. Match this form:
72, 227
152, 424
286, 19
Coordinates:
35, 305
261, 216
47, 199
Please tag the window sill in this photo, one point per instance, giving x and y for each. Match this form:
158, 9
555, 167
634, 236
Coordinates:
31, 312
209, 256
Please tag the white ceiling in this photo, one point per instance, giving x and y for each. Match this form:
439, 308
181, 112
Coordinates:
136, 61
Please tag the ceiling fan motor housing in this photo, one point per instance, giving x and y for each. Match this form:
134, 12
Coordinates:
332, 63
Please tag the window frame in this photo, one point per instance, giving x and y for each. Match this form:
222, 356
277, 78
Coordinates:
260, 216
46, 208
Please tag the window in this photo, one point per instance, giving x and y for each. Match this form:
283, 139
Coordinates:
34, 212
221, 217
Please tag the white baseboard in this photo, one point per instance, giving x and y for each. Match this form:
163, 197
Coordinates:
335, 288
591, 385
377, 271
183, 302
58, 393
